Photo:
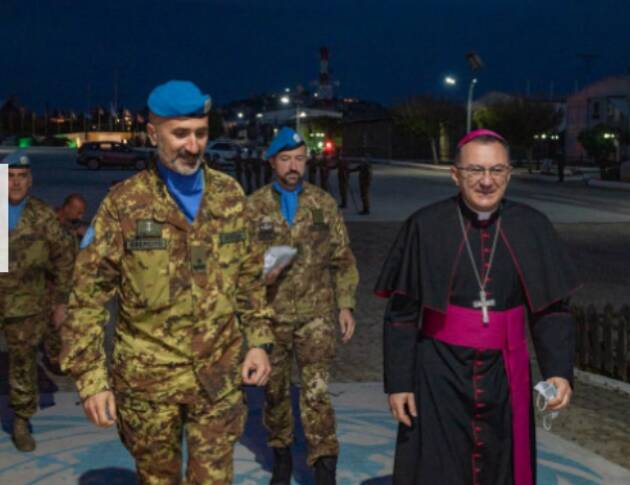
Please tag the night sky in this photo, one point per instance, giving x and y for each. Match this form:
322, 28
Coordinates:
65, 52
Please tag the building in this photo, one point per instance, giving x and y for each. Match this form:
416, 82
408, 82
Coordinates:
604, 102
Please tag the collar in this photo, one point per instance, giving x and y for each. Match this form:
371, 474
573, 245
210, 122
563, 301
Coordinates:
184, 184
476, 218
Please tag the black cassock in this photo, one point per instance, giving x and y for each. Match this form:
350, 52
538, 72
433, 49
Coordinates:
428, 268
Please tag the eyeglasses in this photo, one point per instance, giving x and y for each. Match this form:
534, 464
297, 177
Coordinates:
477, 172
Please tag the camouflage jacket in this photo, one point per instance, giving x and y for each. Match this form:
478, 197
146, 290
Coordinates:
188, 293
40, 254
323, 275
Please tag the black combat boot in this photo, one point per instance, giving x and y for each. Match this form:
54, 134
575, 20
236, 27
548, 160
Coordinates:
282, 466
326, 470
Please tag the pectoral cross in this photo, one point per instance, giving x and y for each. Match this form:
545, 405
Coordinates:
484, 303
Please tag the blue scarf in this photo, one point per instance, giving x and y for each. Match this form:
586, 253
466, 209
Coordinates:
288, 201
187, 190
15, 213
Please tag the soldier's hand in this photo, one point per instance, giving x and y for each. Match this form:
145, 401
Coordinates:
347, 324
563, 394
256, 367
403, 407
58, 315
101, 408
272, 276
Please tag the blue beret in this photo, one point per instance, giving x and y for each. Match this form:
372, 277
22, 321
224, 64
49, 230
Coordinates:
178, 98
17, 159
286, 139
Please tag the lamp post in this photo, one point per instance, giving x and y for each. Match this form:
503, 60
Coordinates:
286, 100
471, 89
475, 63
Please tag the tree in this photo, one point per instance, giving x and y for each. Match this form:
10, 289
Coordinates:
429, 118
599, 145
518, 120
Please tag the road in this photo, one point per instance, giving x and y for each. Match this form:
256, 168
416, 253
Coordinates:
396, 191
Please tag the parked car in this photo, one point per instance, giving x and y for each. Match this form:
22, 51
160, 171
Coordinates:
223, 149
97, 154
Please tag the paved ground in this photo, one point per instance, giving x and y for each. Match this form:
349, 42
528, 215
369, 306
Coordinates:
73, 451
593, 222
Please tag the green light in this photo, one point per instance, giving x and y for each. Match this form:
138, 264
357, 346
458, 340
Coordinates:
25, 142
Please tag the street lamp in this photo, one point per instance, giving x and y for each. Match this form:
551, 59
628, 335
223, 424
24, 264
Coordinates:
298, 115
450, 80
475, 63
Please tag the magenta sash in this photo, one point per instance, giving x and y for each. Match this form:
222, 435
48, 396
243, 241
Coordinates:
505, 332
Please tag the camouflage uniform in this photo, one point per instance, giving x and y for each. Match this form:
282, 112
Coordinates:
322, 278
40, 252
189, 295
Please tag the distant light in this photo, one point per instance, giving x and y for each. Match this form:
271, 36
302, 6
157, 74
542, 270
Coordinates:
316, 95
240, 115
259, 115
328, 146
285, 100
320, 144
543, 136
287, 90
303, 114
450, 80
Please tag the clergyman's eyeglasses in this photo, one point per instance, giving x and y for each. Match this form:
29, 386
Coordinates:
477, 172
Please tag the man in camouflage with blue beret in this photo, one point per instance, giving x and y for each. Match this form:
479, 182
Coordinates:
313, 294
40, 253
171, 243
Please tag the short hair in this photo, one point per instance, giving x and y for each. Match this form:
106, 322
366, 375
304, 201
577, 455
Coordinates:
74, 196
484, 140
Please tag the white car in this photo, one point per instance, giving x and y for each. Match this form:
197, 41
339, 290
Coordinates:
222, 149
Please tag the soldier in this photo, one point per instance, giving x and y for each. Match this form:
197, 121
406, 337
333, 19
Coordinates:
320, 281
70, 216
343, 176
172, 243
324, 171
39, 251
365, 180
71, 213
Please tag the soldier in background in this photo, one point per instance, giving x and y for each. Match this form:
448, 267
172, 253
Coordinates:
310, 297
365, 181
312, 168
40, 251
343, 177
172, 243
71, 214
324, 171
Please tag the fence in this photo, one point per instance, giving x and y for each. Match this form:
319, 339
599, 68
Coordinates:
603, 338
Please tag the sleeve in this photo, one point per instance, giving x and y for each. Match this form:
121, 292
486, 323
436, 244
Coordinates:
343, 265
96, 278
400, 336
553, 334
62, 250
401, 270
251, 298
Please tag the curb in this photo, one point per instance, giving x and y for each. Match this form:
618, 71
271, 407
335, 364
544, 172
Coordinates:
602, 381
605, 184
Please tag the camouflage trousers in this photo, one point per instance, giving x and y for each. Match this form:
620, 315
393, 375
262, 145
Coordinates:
23, 336
313, 344
153, 433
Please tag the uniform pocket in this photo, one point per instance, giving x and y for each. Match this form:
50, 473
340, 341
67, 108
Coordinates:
148, 277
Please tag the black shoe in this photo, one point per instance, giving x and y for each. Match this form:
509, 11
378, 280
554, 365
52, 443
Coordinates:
326, 470
282, 466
